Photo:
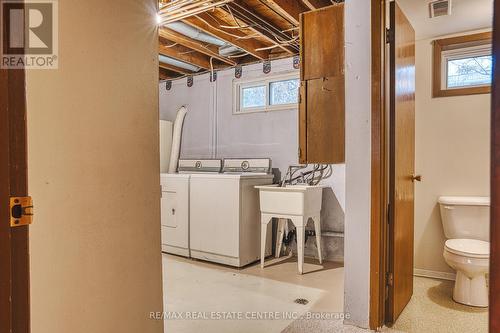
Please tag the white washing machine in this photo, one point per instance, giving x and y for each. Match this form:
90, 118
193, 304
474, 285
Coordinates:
225, 214
175, 203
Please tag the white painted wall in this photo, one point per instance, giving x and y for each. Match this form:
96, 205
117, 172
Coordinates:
358, 161
452, 154
212, 130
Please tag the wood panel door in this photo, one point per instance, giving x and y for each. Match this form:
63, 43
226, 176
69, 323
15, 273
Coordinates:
322, 92
402, 161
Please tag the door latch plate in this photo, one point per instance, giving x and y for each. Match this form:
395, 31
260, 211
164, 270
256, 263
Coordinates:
21, 211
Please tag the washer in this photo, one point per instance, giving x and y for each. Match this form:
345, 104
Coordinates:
225, 214
175, 203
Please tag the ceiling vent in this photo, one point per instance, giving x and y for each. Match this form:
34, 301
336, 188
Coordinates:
440, 8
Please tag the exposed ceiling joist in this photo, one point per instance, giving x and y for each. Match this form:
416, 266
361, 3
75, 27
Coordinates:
166, 74
175, 69
177, 10
248, 17
210, 26
316, 4
206, 49
288, 9
191, 57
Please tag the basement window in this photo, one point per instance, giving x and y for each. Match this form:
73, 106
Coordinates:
272, 94
462, 65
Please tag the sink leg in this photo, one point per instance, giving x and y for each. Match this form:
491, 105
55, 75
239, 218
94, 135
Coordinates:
279, 239
317, 228
300, 247
263, 235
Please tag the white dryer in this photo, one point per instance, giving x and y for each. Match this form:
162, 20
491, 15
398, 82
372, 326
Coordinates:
175, 204
225, 214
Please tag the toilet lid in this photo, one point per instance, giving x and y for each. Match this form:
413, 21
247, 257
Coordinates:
468, 247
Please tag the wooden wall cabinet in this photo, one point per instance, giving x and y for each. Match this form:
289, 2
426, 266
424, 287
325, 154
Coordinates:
322, 87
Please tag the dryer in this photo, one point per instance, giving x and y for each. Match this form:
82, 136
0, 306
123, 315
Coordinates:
224, 212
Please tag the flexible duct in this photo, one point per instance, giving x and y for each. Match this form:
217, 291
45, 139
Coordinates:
176, 140
194, 33
177, 63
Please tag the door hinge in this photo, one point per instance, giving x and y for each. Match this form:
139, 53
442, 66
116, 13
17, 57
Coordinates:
389, 279
21, 211
389, 35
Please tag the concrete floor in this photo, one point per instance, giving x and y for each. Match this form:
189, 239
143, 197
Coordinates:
223, 299
198, 288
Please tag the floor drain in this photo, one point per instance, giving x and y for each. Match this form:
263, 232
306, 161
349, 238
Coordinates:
302, 301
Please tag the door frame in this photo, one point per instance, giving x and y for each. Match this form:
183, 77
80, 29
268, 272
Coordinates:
379, 166
14, 243
494, 297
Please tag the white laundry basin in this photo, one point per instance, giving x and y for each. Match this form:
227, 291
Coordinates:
290, 200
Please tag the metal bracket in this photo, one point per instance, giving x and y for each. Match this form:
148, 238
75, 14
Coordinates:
21, 211
389, 279
389, 36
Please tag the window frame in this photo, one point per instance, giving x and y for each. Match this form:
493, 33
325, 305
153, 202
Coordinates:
449, 48
239, 85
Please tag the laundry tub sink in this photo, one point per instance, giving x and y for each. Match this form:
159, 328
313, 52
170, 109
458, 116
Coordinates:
290, 200
295, 203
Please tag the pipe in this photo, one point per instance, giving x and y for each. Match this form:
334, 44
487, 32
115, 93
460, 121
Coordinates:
178, 63
176, 140
194, 33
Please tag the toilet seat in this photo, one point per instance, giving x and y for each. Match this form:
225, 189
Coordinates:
471, 248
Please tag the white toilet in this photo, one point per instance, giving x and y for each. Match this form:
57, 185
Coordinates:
466, 222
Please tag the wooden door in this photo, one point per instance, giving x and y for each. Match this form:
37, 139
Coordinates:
402, 161
14, 255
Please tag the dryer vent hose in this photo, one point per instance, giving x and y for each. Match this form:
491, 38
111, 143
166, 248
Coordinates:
176, 140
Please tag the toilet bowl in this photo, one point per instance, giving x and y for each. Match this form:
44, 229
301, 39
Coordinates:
470, 258
467, 250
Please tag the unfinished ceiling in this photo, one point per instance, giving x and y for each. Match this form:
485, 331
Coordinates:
196, 36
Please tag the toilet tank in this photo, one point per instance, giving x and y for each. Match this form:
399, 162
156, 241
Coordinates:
465, 217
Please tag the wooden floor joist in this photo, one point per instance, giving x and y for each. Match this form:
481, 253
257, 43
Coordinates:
185, 55
316, 4
260, 29
208, 25
287, 9
175, 69
207, 49
275, 36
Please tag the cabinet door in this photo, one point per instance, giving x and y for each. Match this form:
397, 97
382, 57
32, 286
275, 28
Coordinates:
323, 113
322, 43
322, 100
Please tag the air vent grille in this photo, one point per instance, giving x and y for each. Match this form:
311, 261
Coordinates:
440, 8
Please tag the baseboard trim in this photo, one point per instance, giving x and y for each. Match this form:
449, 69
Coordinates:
434, 274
